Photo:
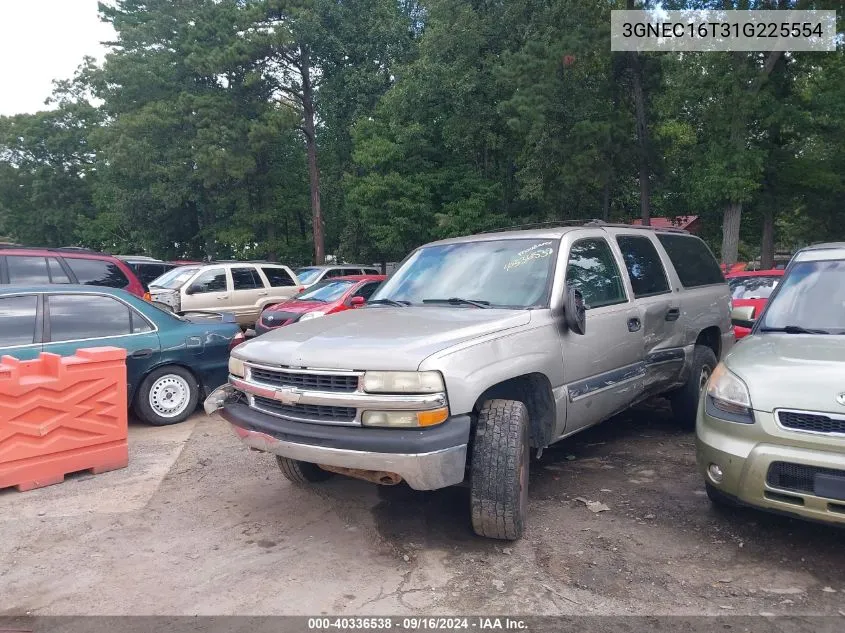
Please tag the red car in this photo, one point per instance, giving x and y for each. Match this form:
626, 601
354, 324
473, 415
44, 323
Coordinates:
20, 265
327, 297
752, 288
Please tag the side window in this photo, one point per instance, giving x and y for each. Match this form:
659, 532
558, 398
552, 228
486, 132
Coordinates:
139, 323
367, 290
147, 272
213, 280
644, 266
371, 271
57, 273
71, 317
692, 260
278, 277
352, 271
246, 279
97, 272
17, 320
593, 271
27, 270
335, 272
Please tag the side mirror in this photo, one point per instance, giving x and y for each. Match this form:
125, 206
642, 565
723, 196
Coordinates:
743, 316
194, 289
357, 302
574, 313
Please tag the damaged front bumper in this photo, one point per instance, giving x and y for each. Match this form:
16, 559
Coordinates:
426, 458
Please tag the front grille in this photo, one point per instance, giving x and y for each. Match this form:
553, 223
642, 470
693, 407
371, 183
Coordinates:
796, 477
315, 382
815, 422
307, 411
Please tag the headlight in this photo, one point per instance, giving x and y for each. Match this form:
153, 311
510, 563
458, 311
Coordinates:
311, 315
236, 367
729, 396
403, 382
404, 419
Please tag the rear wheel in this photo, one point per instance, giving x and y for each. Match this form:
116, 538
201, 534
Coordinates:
499, 470
301, 472
685, 400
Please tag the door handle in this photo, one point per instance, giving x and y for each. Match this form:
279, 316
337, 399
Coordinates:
141, 353
634, 325
673, 314
223, 298
263, 294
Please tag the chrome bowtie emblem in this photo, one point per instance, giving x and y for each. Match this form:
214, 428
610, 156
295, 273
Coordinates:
841, 398
288, 395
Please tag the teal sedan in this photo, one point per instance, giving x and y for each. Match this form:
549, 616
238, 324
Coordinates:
172, 361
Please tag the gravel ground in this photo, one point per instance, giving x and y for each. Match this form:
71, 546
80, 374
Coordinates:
200, 525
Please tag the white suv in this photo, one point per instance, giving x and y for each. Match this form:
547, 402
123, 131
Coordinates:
244, 288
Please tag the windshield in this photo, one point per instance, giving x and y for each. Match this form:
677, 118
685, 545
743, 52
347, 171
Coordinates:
812, 296
503, 273
326, 291
174, 278
753, 287
308, 276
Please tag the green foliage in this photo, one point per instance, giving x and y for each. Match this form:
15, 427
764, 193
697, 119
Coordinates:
433, 119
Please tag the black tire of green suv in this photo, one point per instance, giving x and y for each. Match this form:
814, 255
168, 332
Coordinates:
301, 472
685, 400
499, 470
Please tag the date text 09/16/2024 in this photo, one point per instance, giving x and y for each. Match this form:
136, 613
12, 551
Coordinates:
417, 624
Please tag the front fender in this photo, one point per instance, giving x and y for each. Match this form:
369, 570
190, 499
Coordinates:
473, 367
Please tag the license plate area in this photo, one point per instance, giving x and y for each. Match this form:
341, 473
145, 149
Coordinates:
829, 486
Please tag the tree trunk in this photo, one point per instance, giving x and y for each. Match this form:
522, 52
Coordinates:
730, 233
605, 202
642, 133
767, 247
313, 169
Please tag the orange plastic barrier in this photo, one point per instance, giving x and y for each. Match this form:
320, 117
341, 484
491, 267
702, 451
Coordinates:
62, 414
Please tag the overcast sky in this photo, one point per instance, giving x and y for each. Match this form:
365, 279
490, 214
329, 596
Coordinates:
42, 40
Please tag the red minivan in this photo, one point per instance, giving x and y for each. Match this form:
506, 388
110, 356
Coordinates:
37, 266
752, 288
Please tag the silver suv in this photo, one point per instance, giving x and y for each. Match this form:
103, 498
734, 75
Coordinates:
480, 349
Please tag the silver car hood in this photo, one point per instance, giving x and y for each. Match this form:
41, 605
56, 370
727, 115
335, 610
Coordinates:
791, 371
376, 338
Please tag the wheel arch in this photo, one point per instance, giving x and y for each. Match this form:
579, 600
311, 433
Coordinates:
161, 365
535, 391
711, 337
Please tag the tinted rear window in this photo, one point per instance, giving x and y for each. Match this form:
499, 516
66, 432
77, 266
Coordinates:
692, 260
97, 272
27, 270
278, 277
17, 320
148, 272
70, 317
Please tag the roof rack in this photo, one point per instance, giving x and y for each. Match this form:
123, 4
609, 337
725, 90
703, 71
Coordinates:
53, 249
582, 222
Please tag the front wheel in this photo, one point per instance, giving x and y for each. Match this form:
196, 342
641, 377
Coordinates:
685, 400
299, 472
499, 470
167, 395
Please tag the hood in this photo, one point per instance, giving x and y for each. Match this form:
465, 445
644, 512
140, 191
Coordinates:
377, 338
299, 307
791, 371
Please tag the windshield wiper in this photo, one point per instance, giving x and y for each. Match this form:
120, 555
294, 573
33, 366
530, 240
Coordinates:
793, 329
457, 301
389, 302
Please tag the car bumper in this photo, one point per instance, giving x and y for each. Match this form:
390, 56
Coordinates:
752, 456
426, 459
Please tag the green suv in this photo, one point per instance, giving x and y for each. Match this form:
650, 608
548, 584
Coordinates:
771, 424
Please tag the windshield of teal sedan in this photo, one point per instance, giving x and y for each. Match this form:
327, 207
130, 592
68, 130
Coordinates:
326, 291
503, 273
812, 296
174, 278
308, 275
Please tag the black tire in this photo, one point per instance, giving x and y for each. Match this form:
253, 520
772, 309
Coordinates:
301, 472
143, 407
685, 400
499, 470
717, 497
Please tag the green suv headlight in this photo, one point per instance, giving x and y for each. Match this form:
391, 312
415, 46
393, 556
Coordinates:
728, 397
403, 382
